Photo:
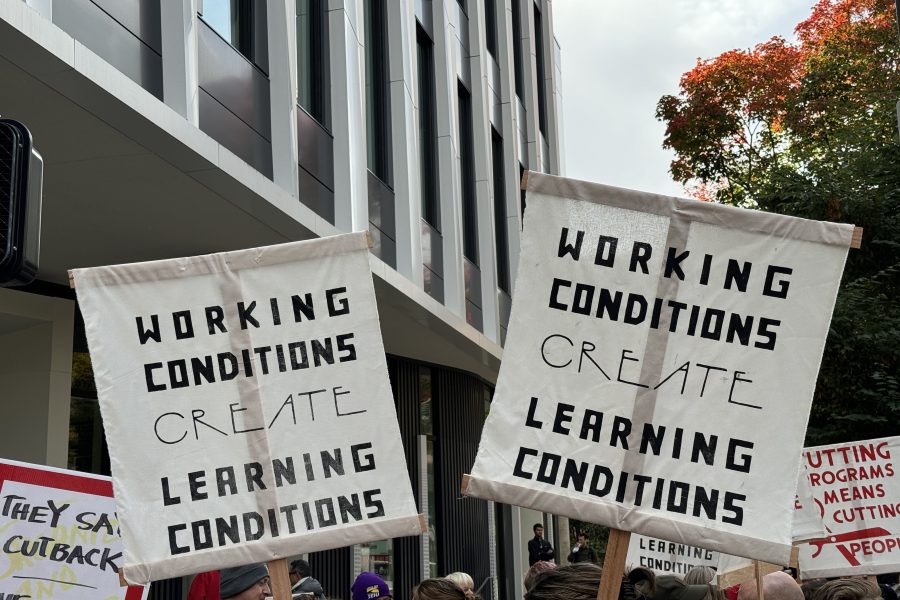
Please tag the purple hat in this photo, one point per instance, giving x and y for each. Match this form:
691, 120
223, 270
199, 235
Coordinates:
369, 586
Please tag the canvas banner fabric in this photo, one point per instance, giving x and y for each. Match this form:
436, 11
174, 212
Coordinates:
667, 558
659, 366
60, 535
247, 405
856, 488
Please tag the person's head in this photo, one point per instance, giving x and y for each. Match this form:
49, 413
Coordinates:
250, 582
776, 586
848, 589
650, 586
537, 568
705, 575
463, 581
299, 570
582, 538
369, 586
810, 586
578, 581
438, 589
538, 530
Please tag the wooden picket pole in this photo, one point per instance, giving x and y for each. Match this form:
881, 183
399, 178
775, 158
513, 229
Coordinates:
614, 564
759, 580
279, 580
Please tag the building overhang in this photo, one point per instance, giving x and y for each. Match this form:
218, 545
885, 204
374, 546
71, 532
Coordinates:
128, 179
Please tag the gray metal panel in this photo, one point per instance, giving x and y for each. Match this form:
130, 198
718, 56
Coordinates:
473, 282
433, 284
316, 149
463, 66
109, 39
381, 206
140, 17
316, 196
473, 294
235, 82
432, 249
522, 133
495, 110
383, 247
230, 131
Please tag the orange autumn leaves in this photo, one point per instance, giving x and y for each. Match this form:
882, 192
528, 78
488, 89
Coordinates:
738, 115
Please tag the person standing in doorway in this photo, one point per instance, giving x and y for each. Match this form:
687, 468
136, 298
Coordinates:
538, 548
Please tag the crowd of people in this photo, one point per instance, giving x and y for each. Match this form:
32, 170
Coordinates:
545, 580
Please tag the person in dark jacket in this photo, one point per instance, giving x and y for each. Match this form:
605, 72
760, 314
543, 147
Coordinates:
302, 583
538, 548
581, 551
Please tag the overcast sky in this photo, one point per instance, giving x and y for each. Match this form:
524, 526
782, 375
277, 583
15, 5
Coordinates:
620, 56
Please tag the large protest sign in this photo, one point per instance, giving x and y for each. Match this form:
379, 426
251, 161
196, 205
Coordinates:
247, 405
856, 488
660, 364
60, 535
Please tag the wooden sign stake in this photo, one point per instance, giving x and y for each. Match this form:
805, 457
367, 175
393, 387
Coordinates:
614, 564
280, 581
759, 580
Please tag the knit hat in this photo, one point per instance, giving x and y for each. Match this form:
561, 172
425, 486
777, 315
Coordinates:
369, 586
235, 580
664, 587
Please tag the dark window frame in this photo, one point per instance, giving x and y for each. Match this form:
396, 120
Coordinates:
541, 71
427, 121
490, 27
316, 103
517, 48
468, 198
501, 233
241, 21
378, 100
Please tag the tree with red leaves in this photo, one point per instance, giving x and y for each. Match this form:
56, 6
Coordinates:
810, 129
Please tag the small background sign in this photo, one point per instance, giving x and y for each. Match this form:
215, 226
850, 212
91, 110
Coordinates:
856, 488
60, 535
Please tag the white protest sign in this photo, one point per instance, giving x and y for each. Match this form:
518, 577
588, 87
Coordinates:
808, 522
807, 525
856, 488
660, 364
59, 535
667, 558
247, 405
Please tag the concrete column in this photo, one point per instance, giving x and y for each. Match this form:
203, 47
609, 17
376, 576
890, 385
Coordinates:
401, 28
553, 88
348, 110
484, 185
529, 66
510, 134
446, 49
35, 376
281, 20
178, 20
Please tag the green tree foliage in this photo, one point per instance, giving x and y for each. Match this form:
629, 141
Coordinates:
810, 129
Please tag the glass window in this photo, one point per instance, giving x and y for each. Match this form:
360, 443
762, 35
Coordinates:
426, 429
467, 176
517, 48
87, 442
427, 130
539, 52
378, 557
312, 58
490, 24
378, 124
500, 232
233, 20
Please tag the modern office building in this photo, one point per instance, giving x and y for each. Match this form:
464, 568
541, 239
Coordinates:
181, 127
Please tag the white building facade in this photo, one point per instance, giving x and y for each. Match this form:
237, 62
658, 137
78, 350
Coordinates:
181, 127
